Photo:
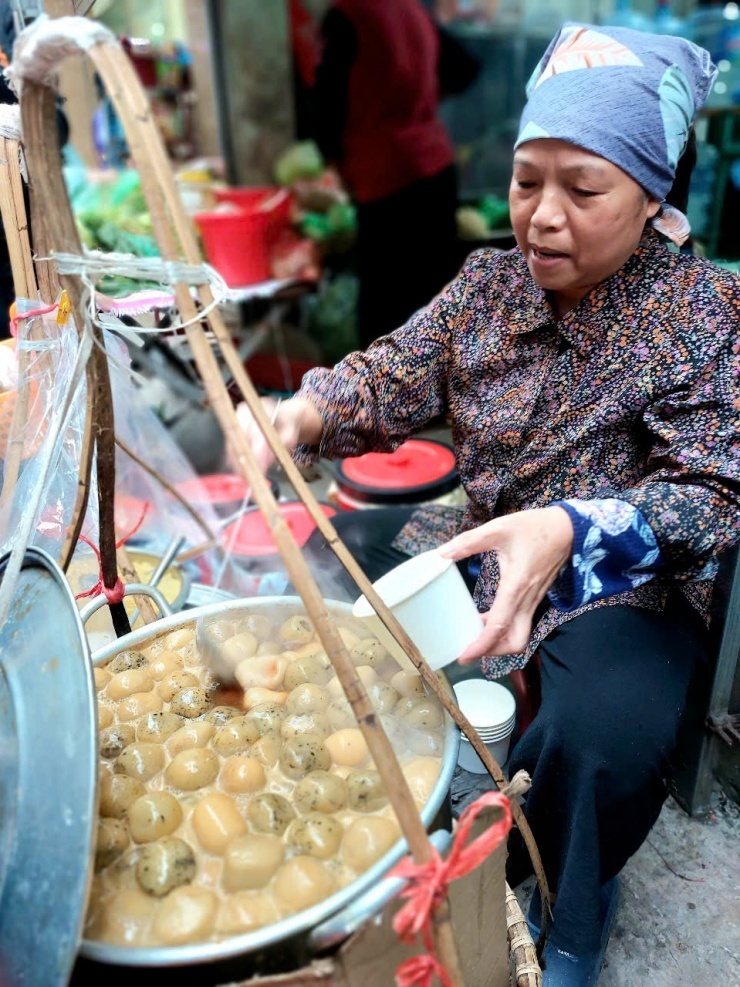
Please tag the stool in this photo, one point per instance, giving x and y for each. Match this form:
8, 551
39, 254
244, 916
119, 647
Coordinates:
527, 689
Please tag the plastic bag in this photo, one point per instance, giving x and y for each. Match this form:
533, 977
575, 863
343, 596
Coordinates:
51, 448
38, 509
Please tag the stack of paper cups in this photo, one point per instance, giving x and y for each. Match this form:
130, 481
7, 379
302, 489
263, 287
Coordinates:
491, 710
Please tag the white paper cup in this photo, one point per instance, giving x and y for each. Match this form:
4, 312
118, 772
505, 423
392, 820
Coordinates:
468, 756
430, 600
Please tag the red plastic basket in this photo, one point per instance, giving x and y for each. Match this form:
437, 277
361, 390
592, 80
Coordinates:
239, 243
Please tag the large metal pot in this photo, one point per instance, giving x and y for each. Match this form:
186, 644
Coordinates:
290, 943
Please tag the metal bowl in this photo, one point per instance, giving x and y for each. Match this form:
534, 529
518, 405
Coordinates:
291, 941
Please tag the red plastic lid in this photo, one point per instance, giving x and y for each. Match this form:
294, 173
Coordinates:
215, 488
252, 536
420, 469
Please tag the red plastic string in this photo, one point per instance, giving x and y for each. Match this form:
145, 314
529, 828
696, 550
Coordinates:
419, 971
29, 315
115, 593
428, 885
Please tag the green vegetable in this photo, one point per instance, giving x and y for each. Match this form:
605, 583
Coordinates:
495, 211
300, 161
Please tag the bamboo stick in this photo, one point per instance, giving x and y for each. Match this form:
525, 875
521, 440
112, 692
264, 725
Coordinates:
42, 158
527, 972
124, 81
155, 173
14, 220
55, 223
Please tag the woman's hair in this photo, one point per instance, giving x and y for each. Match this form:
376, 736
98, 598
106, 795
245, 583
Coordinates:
678, 194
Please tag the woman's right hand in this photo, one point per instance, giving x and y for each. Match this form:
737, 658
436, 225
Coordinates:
296, 421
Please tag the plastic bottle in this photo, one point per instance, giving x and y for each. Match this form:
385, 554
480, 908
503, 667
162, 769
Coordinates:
624, 16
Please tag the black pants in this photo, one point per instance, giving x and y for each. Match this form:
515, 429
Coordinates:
614, 687
406, 252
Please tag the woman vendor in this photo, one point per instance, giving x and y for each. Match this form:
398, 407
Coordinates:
590, 378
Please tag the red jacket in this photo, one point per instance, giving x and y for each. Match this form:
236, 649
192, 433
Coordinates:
392, 135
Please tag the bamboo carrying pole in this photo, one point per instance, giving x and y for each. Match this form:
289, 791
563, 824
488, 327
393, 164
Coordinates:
154, 170
158, 182
526, 968
170, 225
56, 226
53, 204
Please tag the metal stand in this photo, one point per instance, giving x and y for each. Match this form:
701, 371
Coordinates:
710, 722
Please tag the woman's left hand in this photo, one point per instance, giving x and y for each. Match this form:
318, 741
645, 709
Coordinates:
531, 547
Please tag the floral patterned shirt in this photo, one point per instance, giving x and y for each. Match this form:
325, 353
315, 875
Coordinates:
631, 397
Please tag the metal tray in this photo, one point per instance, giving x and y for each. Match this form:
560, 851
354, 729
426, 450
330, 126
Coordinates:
48, 770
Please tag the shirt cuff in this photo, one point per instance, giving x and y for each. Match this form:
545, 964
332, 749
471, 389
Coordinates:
614, 550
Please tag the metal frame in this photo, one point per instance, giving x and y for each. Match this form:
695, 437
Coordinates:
699, 743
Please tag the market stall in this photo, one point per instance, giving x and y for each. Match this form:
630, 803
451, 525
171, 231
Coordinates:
187, 809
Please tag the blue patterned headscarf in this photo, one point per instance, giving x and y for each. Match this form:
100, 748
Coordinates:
628, 96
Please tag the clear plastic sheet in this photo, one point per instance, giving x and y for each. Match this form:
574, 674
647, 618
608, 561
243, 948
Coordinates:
142, 501
48, 363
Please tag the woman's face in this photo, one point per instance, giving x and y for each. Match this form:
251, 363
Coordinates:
576, 217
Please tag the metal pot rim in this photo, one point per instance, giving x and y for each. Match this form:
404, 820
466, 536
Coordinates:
197, 953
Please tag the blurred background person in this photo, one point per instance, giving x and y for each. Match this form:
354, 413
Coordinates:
384, 67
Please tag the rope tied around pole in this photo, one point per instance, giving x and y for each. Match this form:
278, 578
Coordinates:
429, 883
113, 594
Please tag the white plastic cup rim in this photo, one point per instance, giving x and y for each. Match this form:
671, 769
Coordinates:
393, 588
497, 732
488, 738
488, 705
494, 731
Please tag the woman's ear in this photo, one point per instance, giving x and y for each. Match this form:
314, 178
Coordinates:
653, 208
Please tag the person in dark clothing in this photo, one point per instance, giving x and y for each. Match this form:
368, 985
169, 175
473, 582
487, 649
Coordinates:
384, 69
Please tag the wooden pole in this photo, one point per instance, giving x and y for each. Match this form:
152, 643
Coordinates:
123, 85
55, 220
125, 91
521, 946
155, 172
128, 571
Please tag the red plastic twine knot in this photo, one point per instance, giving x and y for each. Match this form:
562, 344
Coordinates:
419, 971
115, 593
428, 885
30, 315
